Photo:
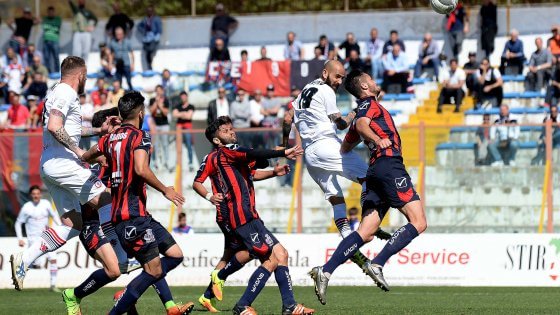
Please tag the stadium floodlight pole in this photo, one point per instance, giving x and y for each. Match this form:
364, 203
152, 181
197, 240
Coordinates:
193, 7
548, 144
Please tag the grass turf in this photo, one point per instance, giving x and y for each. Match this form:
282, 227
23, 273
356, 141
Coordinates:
341, 300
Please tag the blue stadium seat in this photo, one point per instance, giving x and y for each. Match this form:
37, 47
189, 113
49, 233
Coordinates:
496, 111
455, 146
398, 97
513, 78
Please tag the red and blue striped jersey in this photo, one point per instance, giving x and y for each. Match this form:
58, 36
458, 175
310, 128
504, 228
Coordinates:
231, 174
128, 190
382, 125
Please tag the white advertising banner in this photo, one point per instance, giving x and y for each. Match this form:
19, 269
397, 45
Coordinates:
431, 259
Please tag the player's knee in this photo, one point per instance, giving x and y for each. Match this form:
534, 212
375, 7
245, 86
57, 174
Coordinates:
366, 236
113, 273
281, 256
421, 226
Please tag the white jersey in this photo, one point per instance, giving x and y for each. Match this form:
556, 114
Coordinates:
35, 217
65, 99
312, 108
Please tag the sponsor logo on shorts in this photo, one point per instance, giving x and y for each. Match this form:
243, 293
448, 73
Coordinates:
87, 232
400, 182
268, 240
130, 232
149, 236
255, 238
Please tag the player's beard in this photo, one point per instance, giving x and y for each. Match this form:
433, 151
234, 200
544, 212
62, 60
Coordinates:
81, 86
331, 84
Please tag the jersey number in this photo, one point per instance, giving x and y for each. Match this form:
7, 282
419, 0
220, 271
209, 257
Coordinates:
117, 175
305, 97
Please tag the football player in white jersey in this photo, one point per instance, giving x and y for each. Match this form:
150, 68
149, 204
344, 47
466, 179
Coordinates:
62, 170
35, 215
317, 118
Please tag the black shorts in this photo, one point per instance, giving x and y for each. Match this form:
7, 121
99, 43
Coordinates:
388, 186
92, 237
143, 238
231, 241
257, 238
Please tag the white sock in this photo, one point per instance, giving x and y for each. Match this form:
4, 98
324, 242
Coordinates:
51, 240
341, 220
54, 271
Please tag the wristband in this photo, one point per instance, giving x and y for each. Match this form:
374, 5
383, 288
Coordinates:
208, 196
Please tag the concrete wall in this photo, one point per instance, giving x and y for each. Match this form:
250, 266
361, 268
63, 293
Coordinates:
270, 29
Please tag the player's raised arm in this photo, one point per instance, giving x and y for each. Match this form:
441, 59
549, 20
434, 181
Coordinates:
92, 154
287, 126
342, 122
279, 170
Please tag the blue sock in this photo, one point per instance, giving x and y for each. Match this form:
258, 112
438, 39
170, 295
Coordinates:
346, 249
163, 291
209, 293
94, 282
232, 267
133, 291
256, 284
170, 263
282, 275
398, 241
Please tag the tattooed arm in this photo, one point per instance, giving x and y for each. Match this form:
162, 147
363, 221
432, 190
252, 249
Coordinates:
342, 122
56, 128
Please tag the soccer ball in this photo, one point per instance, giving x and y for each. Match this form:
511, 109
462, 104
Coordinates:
443, 6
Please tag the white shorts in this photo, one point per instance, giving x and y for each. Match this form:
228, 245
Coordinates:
69, 183
324, 163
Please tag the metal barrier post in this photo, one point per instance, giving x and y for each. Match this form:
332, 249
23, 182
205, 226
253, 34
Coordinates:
422, 164
548, 139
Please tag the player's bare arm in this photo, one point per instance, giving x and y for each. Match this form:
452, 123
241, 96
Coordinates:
142, 169
346, 146
287, 126
362, 126
108, 126
279, 170
291, 153
56, 128
215, 199
91, 155
342, 122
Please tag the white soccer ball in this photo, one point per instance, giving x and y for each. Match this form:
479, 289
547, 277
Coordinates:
443, 6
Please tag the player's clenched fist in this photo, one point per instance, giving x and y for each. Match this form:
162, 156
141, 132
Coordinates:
173, 196
281, 170
294, 152
383, 143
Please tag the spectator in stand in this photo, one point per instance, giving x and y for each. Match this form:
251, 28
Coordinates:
87, 117
106, 60
293, 49
541, 147
14, 75
118, 19
18, 114
513, 56
21, 27
159, 108
539, 68
36, 87
38, 67
51, 38
327, 48
170, 85
271, 106
488, 26
374, 53
220, 52
244, 56
318, 53
223, 26
393, 40
240, 114
353, 219
504, 135
489, 85
553, 90
30, 55
32, 106
455, 27
184, 112
218, 107
453, 82
115, 94
257, 111
83, 25
10, 54
263, 57
350, 44
396, 69
100, 89
470, 68
182, 227
553, 43
355, 63
151, 28
124, 57
482, 137
428, 56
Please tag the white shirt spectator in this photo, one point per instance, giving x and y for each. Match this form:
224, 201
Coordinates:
375, 49
14, 72
453, 78
488, 76
222, 107
87, 114
256, 112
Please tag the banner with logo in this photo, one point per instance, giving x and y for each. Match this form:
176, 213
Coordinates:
431, 259
305, 71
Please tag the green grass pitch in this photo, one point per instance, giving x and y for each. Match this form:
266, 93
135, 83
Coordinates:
340, 300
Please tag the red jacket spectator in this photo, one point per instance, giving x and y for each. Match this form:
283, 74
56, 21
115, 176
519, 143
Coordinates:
18, 115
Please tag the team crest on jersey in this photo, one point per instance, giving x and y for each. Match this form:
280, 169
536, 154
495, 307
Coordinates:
268, 240
255, 238
149, 236
98, 184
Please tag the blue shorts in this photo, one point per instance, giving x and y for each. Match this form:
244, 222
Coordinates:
230, 239
257, 238
143, 238
92, 237
388, 186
